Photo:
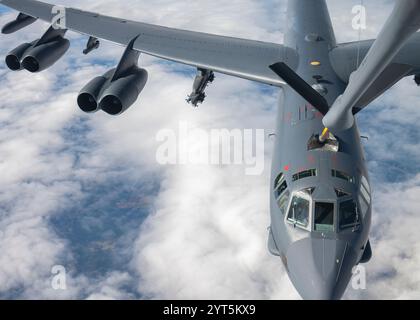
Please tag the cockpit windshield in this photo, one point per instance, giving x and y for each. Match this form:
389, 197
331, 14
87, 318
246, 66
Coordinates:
280, 185
349, 215
324, 217
310, 214
283, 202
299, 210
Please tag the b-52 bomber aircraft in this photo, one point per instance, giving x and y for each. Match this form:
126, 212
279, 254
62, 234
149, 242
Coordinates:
321, 202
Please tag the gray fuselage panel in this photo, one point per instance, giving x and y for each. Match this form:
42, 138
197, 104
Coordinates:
323, 257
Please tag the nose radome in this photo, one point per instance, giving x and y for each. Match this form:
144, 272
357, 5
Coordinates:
320, 269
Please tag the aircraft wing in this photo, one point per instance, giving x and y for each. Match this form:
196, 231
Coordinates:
237, 57
346, 57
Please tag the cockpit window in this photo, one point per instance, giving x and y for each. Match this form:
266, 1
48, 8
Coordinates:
278, 180
283, 202
304, 174
365, 190
364, 207
299, 211
364, 196
324, 217
349, 215
280, 185
342, 175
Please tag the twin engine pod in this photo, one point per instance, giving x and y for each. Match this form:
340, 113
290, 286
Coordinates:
113, 96
114, 92
36, 57
39, 54
118, 89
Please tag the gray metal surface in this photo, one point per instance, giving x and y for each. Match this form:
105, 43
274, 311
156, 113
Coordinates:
319, 263
238, 57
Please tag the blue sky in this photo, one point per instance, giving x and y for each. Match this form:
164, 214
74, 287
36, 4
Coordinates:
85, 191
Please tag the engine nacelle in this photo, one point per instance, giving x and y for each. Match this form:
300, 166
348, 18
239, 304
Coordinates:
14, 57
36, 58
45, 55
122, 93
113, 97
19, 23
91, 93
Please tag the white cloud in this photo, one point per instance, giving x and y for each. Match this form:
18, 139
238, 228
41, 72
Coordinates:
210, 242
206, 237
393, 270
112, 288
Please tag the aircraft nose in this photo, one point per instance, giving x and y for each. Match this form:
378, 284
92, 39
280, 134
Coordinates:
320, 269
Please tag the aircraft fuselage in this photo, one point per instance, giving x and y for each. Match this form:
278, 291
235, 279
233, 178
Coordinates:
320, 195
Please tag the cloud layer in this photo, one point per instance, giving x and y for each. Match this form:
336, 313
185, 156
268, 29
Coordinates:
86, 191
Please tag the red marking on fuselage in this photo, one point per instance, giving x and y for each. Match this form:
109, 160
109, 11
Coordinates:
334, 160
286, 168
311, 159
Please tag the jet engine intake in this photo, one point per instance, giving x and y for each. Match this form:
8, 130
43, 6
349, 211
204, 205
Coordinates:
14, 57
39, 54
90, 94
122, 93
118, 89
45, 55
113, 97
